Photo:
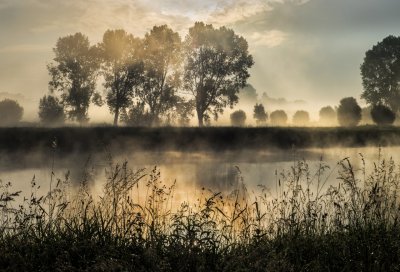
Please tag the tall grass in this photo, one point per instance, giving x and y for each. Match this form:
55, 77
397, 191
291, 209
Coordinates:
303, 224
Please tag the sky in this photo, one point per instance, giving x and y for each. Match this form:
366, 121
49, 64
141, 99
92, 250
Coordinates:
303, 49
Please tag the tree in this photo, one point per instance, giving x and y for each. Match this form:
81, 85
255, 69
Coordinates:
382, 115
216, 67
349, 112
327, 116
122, 69
380, 73
278, 118
259, 114
301, 118
137, 115
238, 118
162, 58
51, 110
74, 73
10, 112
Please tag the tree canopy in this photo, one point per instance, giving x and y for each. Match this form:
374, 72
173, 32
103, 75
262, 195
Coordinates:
238, 118
10, 112
279, 118
259, 114
216, 67
74, 73
51, 111
301, 118
327, 116
349, 112
382, 115
121, 67
380, 73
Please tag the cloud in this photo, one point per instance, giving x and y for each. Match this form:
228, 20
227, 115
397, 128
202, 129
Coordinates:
268, 38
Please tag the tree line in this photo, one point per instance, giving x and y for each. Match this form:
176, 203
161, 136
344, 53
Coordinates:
157, 79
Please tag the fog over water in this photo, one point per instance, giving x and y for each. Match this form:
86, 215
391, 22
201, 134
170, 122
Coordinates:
193, 171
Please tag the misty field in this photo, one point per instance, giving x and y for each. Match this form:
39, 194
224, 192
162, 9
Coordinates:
136, 222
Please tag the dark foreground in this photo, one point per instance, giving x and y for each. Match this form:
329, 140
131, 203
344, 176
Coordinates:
354, 226
93, 139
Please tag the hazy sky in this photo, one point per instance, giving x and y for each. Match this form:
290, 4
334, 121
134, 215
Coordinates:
303, 49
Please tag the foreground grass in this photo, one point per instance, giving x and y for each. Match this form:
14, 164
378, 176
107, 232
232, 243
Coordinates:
302, 225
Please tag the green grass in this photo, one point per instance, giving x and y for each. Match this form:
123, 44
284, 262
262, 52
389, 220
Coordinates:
300, 225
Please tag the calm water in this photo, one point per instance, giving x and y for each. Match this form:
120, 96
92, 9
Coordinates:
191, 171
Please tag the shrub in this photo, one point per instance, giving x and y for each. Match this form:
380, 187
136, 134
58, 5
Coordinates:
349, 112
10, 112
382, 115
238, 118
51, 111
279, 118
301, 118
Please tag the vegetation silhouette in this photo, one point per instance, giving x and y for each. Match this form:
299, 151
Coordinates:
382, 115
259, 114
238, 118
380, 73
327, 116
278, 118
74, 74
121, 67
216, 68
349, 112
51, 111
301, 118
10, 112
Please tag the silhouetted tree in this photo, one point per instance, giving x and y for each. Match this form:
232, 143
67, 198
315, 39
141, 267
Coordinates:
327, 116
349, 112
121, 67
382, 115
162, 58
10, 112
278, 118
259, 114
238, 118
301, 118
381, 73
216, 67
74, 73
51, 110
366, 116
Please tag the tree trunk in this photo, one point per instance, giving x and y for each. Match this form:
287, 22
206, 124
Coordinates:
200, 117
116, 115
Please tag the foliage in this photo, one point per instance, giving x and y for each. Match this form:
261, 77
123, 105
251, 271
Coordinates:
301, 118
382, 115
278, 118
162, 57
349, 112
10, 112
216, 67
259, 114
121, 67
327, 116
381, 73
51, 110
238, 118
137, 116
74, 73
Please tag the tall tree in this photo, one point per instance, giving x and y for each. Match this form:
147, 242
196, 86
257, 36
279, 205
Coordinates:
74, 73
162, 57
380, 73
216, 67
122, 69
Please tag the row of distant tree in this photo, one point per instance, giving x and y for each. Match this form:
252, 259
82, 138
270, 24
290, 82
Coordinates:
154, 80
347, 114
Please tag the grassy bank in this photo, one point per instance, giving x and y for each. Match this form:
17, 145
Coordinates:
300, 225
93, 139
